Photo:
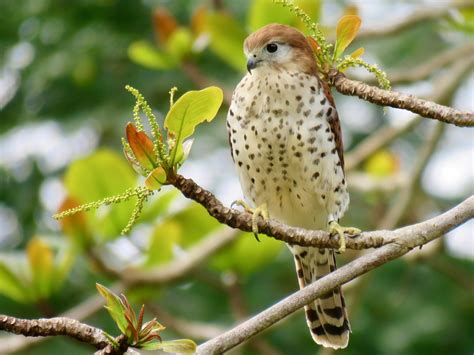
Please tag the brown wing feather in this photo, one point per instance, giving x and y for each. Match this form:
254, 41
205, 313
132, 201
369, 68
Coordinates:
334, 123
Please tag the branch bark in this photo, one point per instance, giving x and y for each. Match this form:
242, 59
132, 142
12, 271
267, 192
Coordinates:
443, 90
54, 326
404, 239
395, 99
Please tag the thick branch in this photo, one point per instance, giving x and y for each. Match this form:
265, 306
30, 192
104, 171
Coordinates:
405, 239
272, 228
54, 326
399, 100
14, 344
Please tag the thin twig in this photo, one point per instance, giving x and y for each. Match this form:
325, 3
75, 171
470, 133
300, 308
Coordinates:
418, 16
406, 239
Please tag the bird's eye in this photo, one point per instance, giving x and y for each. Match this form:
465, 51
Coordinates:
272, 47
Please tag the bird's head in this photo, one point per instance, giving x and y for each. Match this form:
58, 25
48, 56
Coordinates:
279, 47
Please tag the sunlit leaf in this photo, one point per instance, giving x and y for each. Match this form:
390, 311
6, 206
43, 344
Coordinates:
180, 346
13, 286
198, 20
383, 163
183, 151
75, 226
310, 7
179, 44
165, 235
227, 38
64, 263
114, 306
263, 12
159, 205
347, 29
358, 52
95, 177
190, 110
156, 178
164, 24
142, 146
146, 55
41, 260
195, 223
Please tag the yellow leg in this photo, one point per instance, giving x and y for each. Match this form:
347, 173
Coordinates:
260, 211
335, 228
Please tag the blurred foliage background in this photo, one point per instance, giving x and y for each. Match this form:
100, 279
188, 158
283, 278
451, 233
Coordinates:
63, 110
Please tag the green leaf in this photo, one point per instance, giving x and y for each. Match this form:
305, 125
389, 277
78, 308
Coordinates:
195, 224
100, 175
164, 237
156, 178
146, 55
179, 44
347, 29
41, 260
190, 110
357, 53
263, 12
75, 226
246, 255
227, 38
183, 346
114, 306
159, 205
183, 151
312, 8
12, 286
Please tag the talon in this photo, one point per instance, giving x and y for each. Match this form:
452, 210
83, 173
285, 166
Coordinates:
260, 211
335, 228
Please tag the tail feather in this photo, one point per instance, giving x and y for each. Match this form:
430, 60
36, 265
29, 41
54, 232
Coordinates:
326, 316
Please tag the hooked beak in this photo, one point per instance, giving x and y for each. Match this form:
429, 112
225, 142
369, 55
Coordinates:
252, 64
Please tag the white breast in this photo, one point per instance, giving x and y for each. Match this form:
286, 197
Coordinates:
284, 150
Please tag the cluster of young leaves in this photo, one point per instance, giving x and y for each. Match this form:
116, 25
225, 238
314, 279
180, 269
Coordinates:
158, 157
34, 278
145, 336
329, 56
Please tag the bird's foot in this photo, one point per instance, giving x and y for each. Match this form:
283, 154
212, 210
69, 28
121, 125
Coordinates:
260, 211
335, 228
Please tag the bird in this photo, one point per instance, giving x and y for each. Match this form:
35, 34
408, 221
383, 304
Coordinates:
287, 148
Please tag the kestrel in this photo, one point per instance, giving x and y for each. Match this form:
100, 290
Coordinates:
286, 144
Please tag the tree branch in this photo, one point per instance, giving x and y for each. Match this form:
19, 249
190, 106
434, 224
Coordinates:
272, 228
54, 326
404, 239
443, 89
395, 99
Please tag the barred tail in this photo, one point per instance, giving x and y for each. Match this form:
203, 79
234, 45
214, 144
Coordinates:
326, 316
